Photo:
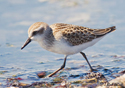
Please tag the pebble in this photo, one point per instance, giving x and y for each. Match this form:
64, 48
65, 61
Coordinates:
41, 74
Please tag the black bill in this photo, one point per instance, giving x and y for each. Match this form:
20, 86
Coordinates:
26, 43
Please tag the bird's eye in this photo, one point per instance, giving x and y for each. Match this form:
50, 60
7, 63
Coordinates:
34, 33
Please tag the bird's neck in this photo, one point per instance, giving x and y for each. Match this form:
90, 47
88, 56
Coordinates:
47, 39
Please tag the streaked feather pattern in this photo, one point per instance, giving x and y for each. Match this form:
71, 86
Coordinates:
77, 35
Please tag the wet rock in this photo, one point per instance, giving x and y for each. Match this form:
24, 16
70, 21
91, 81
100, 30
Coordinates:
12, 82
94, 75
122, 72
119, 80
74, 76
41, 62
108, 85
88, 80
40, 84
58, 80
41, 74
23, 84
15, 82
91, 80
19, 78
63, 84
107, 70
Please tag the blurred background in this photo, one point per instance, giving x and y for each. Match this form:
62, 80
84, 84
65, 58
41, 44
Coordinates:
16, 16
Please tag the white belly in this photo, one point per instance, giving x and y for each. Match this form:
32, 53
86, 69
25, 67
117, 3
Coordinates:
62, 47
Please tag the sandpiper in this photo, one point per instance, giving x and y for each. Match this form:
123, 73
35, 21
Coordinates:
66, 39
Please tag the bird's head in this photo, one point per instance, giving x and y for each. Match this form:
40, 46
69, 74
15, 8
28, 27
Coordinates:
36, 32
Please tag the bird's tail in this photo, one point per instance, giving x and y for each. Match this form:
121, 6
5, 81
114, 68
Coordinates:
101, 32
113, 28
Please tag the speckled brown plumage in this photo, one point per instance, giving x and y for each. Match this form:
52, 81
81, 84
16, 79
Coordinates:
77, 35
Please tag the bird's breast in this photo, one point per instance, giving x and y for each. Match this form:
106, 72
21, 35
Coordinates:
63, 47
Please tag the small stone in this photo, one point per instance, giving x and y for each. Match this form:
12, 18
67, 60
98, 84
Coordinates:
23, 84
41, 74
63, 83
122, 72
41, 63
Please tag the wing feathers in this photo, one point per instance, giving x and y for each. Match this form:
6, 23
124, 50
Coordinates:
104, 31
76, 35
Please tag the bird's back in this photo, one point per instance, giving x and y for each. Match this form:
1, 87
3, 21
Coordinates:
77, 35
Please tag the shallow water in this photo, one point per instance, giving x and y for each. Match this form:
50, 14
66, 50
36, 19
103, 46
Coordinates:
17, 16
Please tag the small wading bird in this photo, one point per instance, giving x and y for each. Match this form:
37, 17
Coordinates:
65, 39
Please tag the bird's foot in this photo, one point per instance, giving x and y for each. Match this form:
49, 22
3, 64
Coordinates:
93, 70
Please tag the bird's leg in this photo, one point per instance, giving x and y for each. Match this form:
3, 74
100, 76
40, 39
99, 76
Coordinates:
59, 68
83, 54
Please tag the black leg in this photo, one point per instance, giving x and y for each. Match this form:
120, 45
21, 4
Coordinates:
83, 54
59, 68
